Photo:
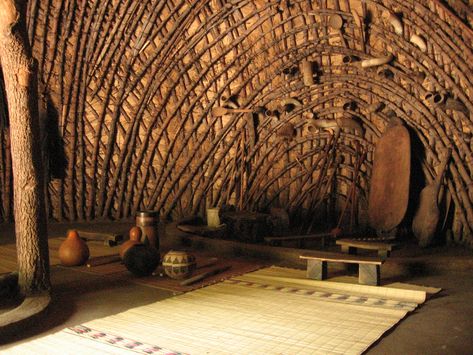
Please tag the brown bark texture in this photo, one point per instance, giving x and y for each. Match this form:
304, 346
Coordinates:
19, 71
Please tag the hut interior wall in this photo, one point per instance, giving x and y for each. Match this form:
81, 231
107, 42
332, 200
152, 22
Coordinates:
128, 89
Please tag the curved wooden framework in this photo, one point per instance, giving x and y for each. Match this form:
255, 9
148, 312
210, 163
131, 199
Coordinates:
129, 87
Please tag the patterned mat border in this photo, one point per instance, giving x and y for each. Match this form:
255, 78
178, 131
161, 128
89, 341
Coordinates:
330, 296
119, 341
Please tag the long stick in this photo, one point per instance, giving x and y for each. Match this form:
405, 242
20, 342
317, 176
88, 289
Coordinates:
103, 260
203, 275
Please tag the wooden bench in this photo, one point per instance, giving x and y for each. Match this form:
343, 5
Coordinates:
322, 237
351, 246
368, 266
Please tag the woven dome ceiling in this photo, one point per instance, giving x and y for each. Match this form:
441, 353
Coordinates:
130, 90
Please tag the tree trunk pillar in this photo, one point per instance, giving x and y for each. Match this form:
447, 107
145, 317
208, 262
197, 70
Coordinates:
19, 71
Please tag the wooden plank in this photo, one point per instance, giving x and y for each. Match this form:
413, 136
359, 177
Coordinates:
297, 237
277, 241
371, 245
343, 258
389, 185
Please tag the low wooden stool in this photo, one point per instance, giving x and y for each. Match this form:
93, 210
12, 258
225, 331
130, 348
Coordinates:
350, 246
369, 267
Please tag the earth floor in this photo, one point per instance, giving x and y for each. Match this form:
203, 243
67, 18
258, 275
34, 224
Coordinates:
443, 325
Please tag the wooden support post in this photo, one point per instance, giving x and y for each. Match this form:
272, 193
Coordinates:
323, 242
348, 249
369, 274
19, 73
316, 269
384, 253
351, 268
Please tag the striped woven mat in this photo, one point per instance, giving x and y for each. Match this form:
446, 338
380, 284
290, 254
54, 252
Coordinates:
269, 311
159, 280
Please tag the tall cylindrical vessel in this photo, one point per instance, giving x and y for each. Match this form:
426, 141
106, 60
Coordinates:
213, 219
148, 221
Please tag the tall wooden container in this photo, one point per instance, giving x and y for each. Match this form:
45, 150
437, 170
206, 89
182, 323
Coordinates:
148, 221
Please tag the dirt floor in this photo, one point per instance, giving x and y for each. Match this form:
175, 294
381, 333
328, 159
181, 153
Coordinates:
443, 325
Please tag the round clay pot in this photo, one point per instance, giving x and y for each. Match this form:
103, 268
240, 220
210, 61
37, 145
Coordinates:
141, 260
73, 251
135, 238
179, 264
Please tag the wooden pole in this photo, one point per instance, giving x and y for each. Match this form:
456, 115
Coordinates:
19, 71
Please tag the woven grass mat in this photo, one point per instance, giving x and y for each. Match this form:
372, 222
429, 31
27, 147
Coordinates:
8, 253
160, 280
263, 312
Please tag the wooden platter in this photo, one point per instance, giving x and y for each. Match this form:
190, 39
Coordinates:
389, 190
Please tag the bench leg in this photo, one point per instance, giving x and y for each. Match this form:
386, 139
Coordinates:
348, 250
369, 274
316, 269
383, 253
351, 268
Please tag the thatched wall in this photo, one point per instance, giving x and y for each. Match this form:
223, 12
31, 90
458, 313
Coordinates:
129, 88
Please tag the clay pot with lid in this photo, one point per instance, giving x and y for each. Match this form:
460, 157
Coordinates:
73, 251
135, 238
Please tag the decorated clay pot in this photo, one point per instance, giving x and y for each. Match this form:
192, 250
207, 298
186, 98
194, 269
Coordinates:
135, 237
141, 260
179, 264
73, 251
